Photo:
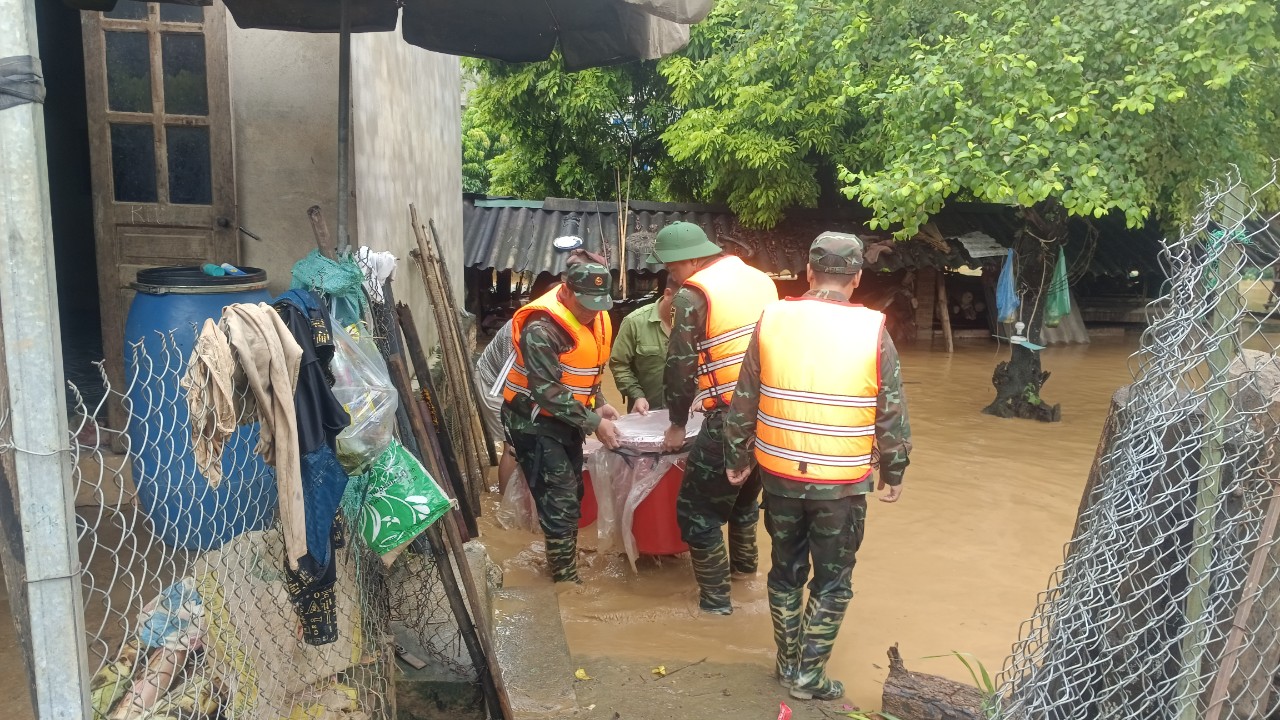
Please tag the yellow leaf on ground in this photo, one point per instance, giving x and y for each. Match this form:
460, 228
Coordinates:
660, 671
581, 674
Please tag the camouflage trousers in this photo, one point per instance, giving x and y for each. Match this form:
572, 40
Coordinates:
552, 465
706, 502
830, 532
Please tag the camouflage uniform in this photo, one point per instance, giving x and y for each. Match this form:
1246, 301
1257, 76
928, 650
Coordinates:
549, 449
707, 501
822, 521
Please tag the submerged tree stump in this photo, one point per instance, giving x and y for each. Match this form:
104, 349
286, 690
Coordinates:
917, 696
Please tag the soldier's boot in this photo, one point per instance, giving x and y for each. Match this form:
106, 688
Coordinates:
711, 570
822, 618
784, 608
743, 552
562, 558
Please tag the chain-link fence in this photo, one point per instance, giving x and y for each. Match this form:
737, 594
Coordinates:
1168, 602
191, 609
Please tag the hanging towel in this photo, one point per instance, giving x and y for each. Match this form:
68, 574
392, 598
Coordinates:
268, 361
210, 400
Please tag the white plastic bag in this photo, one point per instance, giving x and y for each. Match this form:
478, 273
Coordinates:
517, 511
363, 385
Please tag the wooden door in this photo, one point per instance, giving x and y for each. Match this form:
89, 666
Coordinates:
160, 139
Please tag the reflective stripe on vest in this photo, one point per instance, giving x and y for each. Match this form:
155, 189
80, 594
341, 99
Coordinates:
581, 367
736, 294
819, 382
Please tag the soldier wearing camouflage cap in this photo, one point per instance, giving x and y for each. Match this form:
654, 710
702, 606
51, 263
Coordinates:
819, 397
552, 400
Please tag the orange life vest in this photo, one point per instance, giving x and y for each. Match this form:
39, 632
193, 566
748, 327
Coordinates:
736, 295
819, 381
581, 367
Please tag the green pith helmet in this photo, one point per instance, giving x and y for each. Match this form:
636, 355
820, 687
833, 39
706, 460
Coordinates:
681, 241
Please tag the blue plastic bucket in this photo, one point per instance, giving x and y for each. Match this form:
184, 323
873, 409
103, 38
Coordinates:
164, 320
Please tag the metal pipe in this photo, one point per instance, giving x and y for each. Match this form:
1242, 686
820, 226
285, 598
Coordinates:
344, 125
40, 523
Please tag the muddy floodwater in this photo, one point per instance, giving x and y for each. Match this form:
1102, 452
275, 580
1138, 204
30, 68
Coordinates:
956, 565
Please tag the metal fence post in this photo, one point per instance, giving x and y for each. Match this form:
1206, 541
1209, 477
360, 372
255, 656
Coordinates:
49, 611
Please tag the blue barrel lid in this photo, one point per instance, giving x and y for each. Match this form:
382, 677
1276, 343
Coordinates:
192, 280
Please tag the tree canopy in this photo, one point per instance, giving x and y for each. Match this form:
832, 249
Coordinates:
1098, 106
576, 134
1095, 106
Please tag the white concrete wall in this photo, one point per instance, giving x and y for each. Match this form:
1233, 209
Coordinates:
407, 132
284, 105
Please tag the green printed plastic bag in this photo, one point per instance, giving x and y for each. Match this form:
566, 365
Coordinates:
400, 500
1058, 303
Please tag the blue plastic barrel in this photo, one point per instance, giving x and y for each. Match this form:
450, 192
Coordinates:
164, 320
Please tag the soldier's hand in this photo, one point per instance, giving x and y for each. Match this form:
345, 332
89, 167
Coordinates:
893, 494
737, 477
673, 440
641, 406
608, 412
607, 433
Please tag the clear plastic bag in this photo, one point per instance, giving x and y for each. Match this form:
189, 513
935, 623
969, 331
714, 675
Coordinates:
517, 511
363, 385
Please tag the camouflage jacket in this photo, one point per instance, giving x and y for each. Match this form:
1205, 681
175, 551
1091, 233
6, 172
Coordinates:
893, 428
542, 342
688, 326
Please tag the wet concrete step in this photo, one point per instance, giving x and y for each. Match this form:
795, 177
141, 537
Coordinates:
533, 652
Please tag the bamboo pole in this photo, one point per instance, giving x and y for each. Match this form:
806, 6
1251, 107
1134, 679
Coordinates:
440, 439
489, 441
455, 370
446, 546
461, 382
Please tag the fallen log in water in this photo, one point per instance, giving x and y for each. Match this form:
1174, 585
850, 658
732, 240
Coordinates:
917, 696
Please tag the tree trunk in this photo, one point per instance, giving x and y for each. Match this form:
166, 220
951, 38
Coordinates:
1018, 382
917, 696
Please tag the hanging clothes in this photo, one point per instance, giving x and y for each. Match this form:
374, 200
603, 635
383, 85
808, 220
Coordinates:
1007, 301
268, 361
210, 400
320, 419
1058, 295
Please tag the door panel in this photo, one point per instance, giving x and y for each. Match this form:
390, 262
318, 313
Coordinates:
160, 127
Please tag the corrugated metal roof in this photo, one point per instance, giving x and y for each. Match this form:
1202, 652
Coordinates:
514, 234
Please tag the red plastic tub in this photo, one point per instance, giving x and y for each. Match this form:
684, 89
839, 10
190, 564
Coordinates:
589, 508
654, 524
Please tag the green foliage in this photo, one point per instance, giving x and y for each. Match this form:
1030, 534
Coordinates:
986, 685
479, 148
1102, 105
771, 98
572, 134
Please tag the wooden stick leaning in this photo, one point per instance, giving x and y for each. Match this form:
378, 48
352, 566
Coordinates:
434, 275
465, 382
323, 242
454, 367
447, 549
944, 309
489, 441
440, 437
466, 449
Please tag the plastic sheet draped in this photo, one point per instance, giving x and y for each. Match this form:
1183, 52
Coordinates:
623, 478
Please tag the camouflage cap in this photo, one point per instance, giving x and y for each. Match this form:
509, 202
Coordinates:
592, 284
836, 253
